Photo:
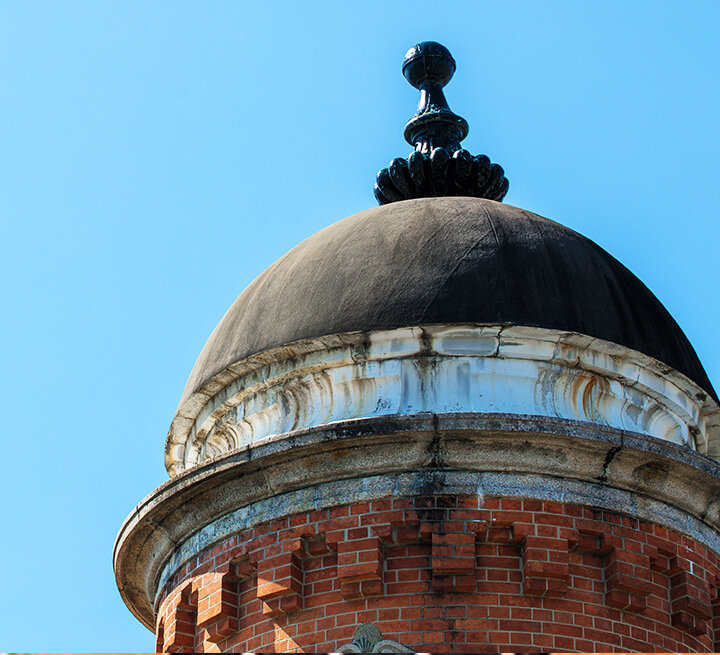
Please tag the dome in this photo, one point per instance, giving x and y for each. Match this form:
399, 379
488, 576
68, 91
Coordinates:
445, 260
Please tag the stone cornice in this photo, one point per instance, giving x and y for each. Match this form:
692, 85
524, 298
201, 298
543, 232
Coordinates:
485, 454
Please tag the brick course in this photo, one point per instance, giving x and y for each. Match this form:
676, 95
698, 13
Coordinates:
447, 574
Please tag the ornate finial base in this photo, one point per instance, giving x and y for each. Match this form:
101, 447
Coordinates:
438, 173
439, 166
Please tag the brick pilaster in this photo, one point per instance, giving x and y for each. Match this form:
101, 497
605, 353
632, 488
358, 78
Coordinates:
453, 562
280, 579
360, 567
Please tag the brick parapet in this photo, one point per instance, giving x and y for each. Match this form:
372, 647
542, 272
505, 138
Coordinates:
447, 573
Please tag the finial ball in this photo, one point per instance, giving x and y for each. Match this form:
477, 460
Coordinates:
428, 63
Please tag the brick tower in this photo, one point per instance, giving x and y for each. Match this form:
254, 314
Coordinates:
443, 424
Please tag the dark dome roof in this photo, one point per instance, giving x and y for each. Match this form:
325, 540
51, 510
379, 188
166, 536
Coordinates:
445, 260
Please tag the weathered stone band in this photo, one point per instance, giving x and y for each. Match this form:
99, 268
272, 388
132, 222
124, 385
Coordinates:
440, 369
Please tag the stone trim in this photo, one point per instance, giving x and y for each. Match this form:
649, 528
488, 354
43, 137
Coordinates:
440, 369
517, 456
368, 639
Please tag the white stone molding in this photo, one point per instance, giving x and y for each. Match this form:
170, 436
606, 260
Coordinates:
438, 369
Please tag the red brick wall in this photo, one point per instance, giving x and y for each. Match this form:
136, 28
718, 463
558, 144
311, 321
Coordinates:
445, 574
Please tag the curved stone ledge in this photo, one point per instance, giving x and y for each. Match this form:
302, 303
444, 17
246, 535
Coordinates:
498, 455
440, 369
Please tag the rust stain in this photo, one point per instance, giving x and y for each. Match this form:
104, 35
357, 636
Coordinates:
577, 387
588, 397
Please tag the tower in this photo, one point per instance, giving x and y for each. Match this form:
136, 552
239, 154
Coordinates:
442, 424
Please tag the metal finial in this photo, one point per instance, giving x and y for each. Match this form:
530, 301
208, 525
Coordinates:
439, 166
429, 66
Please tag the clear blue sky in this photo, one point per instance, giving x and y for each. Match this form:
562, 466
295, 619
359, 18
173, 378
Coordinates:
156, 156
